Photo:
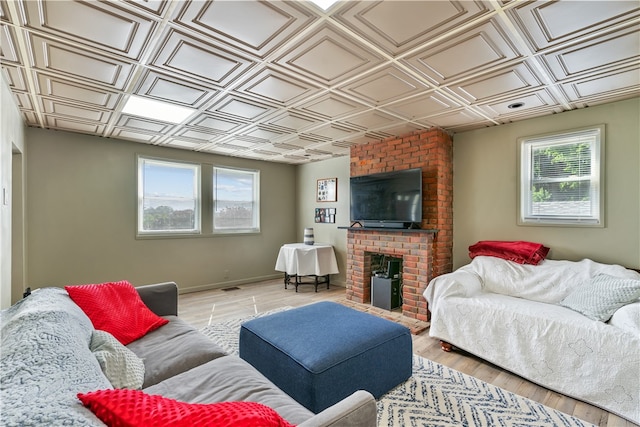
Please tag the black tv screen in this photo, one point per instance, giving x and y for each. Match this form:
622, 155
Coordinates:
389, 199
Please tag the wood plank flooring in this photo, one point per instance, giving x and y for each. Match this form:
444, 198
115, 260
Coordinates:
203, 308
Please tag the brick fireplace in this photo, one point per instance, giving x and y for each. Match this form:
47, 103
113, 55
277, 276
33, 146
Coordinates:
426, 253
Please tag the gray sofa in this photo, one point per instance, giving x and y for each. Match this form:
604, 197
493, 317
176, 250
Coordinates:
46, 361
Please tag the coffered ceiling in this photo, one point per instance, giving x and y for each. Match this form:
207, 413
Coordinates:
286, 81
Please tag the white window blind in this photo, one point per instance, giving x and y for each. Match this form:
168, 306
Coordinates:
560, 178
168, 197
236, 200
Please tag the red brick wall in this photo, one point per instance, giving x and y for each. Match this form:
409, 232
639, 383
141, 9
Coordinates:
415, 249
431, 150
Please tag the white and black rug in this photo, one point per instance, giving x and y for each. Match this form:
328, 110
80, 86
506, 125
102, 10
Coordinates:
436, 395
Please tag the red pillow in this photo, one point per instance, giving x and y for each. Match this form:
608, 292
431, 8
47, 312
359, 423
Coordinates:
123, 407
116, 307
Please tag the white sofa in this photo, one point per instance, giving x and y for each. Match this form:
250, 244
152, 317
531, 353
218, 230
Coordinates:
510, 315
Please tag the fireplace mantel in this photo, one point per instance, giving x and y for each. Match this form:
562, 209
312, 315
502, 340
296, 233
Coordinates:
391, 230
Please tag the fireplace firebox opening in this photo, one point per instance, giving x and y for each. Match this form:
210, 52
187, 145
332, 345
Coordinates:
386, 281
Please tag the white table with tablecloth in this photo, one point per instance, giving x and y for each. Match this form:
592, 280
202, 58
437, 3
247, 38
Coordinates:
297, 260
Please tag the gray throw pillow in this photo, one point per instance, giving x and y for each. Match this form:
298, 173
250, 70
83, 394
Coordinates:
605, 294
120, 365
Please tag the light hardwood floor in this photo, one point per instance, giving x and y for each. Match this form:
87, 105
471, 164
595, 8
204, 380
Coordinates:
203, 308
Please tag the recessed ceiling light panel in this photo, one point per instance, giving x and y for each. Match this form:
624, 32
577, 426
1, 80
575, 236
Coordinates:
324, 4
156, 110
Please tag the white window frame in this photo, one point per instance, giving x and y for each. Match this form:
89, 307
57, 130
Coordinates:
196, 168
595, 135
254, 175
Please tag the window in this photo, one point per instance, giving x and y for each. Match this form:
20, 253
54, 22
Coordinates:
561, 178
168, 197
236, 201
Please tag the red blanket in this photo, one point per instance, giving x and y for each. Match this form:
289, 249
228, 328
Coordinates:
520, 252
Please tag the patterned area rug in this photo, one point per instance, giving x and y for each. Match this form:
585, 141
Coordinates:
435, 395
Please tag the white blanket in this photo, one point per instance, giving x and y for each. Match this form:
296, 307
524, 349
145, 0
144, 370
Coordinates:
506, 313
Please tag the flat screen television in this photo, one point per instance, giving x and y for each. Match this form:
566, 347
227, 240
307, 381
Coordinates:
387, 200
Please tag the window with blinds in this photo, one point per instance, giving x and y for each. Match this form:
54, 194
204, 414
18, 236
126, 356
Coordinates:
236, 200
561, 178
168, 197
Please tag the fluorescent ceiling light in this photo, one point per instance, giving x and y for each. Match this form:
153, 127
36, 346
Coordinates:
324, 4
157, 110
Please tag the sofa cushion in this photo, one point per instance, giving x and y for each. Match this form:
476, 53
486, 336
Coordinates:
120, 365
136, 408
230, 378
116, 307
172, 349
601, 298
550, 281
627, 318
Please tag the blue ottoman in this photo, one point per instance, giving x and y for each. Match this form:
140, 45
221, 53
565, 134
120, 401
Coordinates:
321, 353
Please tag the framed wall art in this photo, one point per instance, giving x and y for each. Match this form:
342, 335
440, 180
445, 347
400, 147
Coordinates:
327, 190
326, 215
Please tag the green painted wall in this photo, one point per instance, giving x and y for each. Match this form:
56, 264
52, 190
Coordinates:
81, 217
485, 187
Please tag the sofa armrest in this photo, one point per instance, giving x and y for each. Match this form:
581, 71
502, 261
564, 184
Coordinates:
460, 283
356, 410
161, 298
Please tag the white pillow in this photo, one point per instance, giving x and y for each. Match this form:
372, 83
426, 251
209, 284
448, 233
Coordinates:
627, 318
601, 298
120, 365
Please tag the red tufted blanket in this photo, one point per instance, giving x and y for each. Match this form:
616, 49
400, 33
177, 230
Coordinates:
520, 252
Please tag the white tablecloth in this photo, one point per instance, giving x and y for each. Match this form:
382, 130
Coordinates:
306, 260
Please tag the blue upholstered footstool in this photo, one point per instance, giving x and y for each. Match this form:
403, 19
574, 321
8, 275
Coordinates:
321, 353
